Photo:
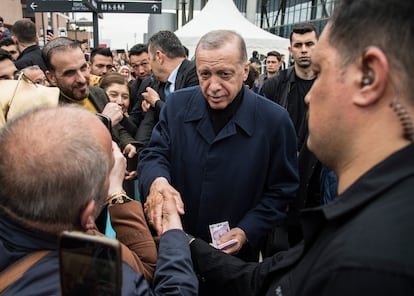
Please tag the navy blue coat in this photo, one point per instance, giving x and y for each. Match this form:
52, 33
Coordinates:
173, 275
246, 175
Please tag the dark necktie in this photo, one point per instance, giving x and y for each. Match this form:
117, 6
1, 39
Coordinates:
167, 88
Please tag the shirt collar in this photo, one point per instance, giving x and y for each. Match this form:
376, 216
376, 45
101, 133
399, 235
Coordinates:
245, 116
173, 77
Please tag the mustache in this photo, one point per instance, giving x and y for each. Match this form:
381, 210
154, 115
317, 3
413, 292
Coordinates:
81, 84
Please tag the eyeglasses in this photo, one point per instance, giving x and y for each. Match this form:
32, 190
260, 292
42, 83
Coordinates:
142, 64
20, 75
41, 81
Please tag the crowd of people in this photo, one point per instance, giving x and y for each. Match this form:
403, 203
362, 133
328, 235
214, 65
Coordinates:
309, 165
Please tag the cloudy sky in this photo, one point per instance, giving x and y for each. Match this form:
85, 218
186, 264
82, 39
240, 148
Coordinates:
124, 30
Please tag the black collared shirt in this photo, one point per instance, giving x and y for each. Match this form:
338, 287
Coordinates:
220, 117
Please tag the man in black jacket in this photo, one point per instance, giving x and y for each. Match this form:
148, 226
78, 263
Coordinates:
141, 70
140, 67
25, 36
289, 89
361, 109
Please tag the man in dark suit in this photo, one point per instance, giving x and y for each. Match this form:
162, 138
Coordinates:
140, 67
171, 71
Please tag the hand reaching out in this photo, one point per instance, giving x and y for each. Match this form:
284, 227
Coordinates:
160, 191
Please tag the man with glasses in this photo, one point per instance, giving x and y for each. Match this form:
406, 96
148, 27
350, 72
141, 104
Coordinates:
36, 75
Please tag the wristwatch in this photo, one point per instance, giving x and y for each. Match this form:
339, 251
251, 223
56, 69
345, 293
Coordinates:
120, 199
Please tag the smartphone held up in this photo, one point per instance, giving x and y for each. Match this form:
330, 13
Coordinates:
89, 265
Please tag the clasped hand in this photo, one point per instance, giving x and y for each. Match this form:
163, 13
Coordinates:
161, 192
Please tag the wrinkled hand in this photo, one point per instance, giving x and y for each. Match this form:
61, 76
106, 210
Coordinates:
114, 111
117, 174
161, 190
234, 233
151, 96
170, 217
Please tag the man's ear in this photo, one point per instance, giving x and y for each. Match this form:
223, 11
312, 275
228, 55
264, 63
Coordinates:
246, 71
87, 216
159, 56
373, 76
51, 77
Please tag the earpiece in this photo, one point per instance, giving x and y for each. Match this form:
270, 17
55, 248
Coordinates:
366, 81
405, 119
368, 78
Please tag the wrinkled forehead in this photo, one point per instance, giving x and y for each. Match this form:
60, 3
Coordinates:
67, 56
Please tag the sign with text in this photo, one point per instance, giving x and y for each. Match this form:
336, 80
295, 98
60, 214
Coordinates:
153, 7
56, 6
129, 7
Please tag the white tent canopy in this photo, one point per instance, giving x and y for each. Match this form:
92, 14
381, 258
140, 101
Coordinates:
223, 14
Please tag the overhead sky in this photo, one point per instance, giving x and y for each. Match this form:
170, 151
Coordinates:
122, 31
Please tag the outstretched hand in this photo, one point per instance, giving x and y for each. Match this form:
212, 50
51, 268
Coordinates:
170, 217
160, 192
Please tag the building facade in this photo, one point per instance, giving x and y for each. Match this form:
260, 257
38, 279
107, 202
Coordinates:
279, 16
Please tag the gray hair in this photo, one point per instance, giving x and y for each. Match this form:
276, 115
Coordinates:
51, 166
216, 39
